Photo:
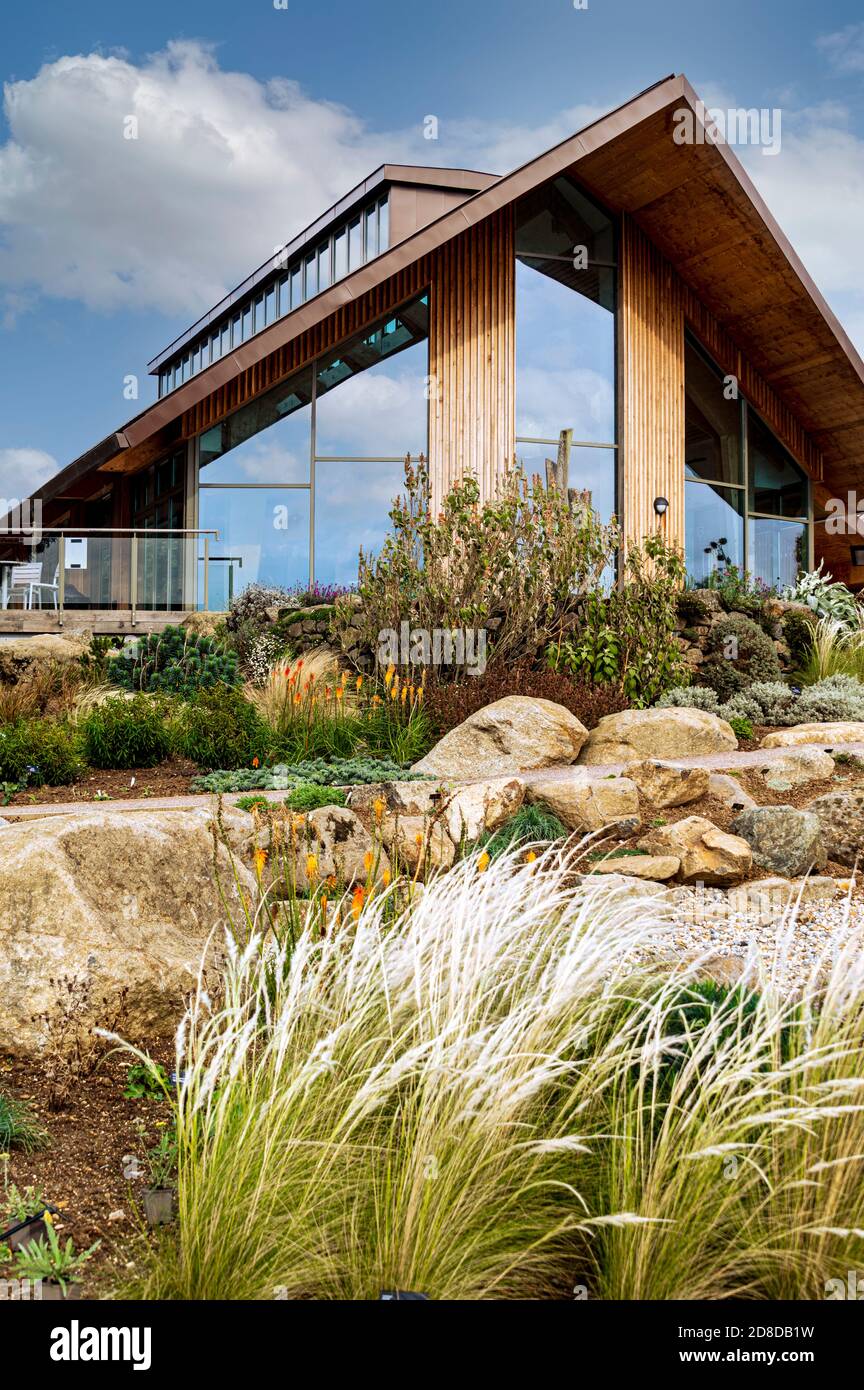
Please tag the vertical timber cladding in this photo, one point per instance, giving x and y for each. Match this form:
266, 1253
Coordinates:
472, 406
651, 373
471, 388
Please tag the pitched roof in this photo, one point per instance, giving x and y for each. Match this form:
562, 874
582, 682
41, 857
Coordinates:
699, 206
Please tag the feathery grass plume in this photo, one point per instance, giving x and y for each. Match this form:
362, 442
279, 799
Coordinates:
400, 1104
485, 1095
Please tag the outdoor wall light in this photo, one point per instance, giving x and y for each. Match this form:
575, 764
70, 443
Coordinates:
661, 506
857, 552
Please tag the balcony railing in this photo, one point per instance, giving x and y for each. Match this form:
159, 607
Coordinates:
135, 570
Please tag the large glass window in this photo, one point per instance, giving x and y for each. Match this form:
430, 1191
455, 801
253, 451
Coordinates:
748, 520
565, 336
298, 480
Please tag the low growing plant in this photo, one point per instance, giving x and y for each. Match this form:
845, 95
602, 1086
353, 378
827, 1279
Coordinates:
530, 825
219, 728
122, 733
37, 752
49, 1260
19, 1128
309, 796
341, 772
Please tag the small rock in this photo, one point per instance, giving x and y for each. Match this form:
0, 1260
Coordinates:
116, 1216
510, 735
766, 900
729, 790
666, 785
707, 855
417, 845
843, 731
637, 734
657, 868
841, 819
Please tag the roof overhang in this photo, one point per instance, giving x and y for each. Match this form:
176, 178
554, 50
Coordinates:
699, 206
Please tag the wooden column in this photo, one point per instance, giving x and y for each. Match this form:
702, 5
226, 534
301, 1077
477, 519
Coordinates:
472, 356
651, 374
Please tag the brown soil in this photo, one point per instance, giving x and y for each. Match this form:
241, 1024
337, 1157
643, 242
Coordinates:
81, 1170
170, 778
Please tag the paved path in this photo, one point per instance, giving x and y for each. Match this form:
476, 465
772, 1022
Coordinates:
717, 762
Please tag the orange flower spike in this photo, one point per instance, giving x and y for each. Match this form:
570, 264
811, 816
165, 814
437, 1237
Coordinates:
530, 857
298, 699
390, 673
418, 839
299, 663
311, 867
260, 861
368, 861
359, 683
483, 863
378, 807
357, 901
385, 878
255, 762
404, 693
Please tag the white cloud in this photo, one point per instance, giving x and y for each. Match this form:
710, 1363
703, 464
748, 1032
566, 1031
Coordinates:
815, 189
224, 170
22, 471
844, 48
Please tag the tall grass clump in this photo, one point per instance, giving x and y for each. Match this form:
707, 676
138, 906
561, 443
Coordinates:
493, 1093
400, 1105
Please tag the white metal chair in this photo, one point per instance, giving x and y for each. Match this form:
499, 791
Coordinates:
28, 579
22, 579
36, 588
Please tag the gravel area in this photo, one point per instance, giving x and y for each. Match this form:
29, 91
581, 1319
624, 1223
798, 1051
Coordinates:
787, 945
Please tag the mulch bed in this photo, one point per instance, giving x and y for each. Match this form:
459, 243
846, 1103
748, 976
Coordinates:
81, 1171
171, 778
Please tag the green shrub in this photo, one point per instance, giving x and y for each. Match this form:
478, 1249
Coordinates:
341, 772
126, 733
309, 796
523, 556
689, 697
741, 727
529, 825
175, 661
837, 697
739, 654
37, 752
798, 635
219, 728
626, 637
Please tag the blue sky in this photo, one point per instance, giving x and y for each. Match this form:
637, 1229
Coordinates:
251, 119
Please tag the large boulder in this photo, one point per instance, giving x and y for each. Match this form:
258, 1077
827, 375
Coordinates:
663, 784
783, 839
511, 735
707, 855
829, 735
125, 900
587, 803
637, 734
20, 655
841, 820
